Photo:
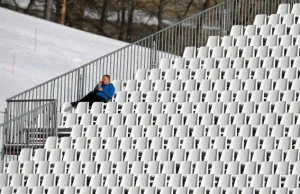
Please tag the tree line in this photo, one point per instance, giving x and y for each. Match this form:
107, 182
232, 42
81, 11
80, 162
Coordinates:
126, 20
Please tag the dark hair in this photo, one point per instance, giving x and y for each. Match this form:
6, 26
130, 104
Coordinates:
107, 76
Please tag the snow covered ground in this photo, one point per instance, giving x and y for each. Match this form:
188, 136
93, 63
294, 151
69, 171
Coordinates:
58, 50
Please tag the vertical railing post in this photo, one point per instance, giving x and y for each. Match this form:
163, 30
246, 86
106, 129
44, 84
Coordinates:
55, 119
8, 111
2, 143
80, 84
153, 53
5, 119
225, 19
82, 80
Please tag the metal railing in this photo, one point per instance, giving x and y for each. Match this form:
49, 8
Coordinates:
146, 53
28, 130
22, 106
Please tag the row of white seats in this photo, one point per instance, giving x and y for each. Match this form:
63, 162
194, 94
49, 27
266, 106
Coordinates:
148, 98
274, 19
172, 143
152, 167
147, 155
182, 131
195, 64
196, 97
178, 119
286, 8
191, 76
150, 180
232, 79
255, 40
186, 75
264, 107
147, 190
219, 57
273, 82
264, 30
281, 93
218, 53
246, 52
212, 88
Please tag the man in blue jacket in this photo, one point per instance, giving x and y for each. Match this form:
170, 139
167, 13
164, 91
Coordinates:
103, 92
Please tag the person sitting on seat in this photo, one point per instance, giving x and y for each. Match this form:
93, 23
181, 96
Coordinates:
103, 92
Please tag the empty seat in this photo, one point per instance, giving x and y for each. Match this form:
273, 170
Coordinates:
274, 19
141, 74
283, 9
288, 19
237, 30
166, 62
213, 41
218, 52
203, 52
227, 41
260, 20
250, 30
189, 53
280, 30
295, 30
69, 120
295, 9
265, 30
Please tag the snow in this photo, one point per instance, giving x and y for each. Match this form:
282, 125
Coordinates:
59, 49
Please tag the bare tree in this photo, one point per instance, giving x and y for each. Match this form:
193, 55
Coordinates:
160, 11
58, 10
103, 15
130, 20
82, 7
186, 10
16, 5
30, 5
63, 12
123, 20
48, 9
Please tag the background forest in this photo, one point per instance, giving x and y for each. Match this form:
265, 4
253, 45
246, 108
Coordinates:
126, 20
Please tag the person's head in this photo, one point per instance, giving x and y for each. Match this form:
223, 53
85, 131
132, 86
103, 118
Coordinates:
106, 79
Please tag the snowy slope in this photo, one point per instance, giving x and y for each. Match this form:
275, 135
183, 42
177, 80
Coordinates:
59, 49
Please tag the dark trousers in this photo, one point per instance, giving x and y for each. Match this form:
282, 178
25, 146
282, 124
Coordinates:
91, 98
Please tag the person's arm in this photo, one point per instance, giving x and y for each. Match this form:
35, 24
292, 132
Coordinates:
109, 91
96, 88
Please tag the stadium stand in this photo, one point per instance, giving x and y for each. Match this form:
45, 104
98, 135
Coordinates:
224, 119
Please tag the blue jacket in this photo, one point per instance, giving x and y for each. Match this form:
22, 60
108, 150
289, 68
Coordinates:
107, 92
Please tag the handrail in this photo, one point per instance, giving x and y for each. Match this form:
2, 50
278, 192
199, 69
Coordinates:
27, 113
31, 100
29, 130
